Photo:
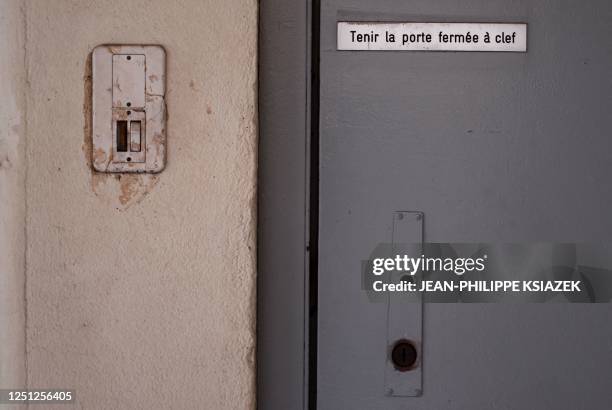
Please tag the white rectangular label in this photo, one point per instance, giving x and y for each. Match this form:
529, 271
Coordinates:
432, 36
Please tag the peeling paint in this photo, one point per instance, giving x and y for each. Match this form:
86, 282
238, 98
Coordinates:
87, 143
128, 188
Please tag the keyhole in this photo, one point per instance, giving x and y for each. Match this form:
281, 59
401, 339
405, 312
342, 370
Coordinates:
404, 355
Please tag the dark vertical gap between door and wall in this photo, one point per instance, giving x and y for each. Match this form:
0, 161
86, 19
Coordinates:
313, 277
288, 204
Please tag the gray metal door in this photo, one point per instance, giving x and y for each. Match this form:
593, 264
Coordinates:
497, 147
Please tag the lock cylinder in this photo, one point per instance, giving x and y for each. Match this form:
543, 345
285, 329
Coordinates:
404, 355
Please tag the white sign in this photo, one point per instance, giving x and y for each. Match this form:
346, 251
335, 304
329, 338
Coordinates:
432, 36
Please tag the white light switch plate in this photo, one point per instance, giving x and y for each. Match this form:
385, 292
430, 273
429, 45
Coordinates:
129, 108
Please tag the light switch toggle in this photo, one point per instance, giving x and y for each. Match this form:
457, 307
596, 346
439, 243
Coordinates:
135, 136
129, 145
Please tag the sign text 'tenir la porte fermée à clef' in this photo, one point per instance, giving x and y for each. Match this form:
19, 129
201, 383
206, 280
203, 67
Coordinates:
364, 36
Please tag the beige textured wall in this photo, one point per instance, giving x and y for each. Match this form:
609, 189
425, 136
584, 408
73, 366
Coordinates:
12, 194
141, 290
